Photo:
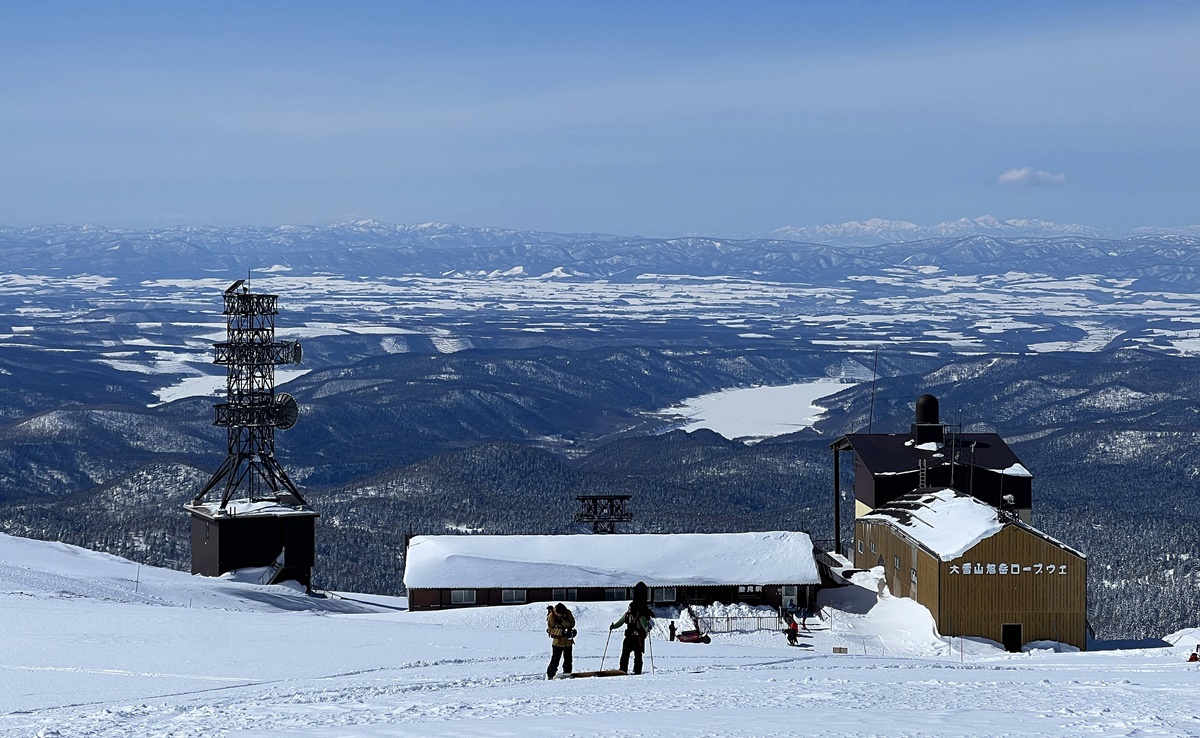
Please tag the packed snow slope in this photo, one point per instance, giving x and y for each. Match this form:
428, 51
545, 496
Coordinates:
96, 646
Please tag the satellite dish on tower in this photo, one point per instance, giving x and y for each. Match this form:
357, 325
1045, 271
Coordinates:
297, 352
286, 411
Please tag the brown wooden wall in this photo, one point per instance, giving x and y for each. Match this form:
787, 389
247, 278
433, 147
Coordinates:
1048, 606
889, 545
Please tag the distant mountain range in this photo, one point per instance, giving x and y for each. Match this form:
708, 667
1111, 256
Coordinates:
371, 249
880, 231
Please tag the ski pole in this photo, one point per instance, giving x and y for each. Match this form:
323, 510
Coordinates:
602, 656
650, 641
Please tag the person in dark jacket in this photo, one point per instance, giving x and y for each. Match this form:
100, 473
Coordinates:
791, 631
638, 620
560, 626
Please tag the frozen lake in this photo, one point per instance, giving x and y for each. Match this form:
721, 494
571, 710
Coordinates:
758, 412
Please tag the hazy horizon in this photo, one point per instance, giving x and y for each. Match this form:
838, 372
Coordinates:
661, 120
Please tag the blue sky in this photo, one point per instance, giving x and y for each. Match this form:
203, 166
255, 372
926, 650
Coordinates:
625, 117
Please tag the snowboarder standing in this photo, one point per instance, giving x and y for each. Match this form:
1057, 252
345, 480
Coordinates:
560, 626
638, 620
671, 630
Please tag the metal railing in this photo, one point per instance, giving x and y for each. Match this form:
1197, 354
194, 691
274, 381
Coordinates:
739, 623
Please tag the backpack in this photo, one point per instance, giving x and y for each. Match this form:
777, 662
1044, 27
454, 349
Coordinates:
635, 618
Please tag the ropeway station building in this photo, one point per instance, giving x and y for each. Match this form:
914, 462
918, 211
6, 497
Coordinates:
948, 516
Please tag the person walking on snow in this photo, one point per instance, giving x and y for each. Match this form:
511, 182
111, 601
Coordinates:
791, 631
638, 620
560, 626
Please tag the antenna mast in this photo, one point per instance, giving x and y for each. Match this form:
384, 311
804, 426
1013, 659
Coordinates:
874, 379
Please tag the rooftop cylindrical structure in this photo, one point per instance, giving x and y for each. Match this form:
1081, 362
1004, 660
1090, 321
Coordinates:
927, 410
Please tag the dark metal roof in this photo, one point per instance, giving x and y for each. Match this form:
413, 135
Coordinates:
894, 452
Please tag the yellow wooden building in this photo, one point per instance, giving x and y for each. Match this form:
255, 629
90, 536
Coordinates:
980, 571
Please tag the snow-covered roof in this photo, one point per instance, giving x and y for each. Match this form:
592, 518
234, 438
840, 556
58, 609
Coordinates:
614, 560
945, 521
948, 522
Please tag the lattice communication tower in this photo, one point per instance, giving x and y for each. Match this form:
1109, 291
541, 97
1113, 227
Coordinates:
603, 512
260, 521
252, 410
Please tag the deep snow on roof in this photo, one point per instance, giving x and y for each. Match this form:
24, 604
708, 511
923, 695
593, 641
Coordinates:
616, 560
945, 521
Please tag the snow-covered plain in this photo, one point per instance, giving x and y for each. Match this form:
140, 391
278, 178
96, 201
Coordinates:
911, 309
96, 646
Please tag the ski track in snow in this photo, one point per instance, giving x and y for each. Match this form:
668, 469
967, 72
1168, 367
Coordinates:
766, 700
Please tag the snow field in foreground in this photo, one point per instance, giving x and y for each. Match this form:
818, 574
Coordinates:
84, 655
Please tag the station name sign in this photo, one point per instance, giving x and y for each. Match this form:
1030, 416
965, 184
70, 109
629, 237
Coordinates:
1008, 569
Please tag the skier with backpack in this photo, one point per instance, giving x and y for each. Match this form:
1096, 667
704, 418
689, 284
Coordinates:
638, 620
560, 626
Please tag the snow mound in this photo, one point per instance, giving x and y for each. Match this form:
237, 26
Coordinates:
869, 620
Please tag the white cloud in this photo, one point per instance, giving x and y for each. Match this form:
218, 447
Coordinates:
1029, 177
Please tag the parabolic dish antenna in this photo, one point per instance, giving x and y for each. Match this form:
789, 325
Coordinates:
286, 411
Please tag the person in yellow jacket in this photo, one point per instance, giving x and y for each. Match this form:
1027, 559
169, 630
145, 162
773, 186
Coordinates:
560, 626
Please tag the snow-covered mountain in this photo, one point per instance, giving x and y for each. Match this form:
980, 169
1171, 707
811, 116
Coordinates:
95, 645
879, 230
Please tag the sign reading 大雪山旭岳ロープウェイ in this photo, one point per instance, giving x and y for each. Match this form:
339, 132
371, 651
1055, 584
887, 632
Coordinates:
980, 568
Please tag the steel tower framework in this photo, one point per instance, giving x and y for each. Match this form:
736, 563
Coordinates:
603, 512
252, 410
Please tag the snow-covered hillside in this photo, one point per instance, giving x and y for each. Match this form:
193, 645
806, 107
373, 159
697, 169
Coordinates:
95, 646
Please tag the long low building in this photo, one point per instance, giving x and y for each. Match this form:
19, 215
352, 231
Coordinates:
775, 568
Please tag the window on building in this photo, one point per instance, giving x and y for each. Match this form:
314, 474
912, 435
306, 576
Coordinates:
791, 595
569, 595
512, 596
664, 594
912, 574
614, 593
873, 547
860, 546
896, 562
462, 597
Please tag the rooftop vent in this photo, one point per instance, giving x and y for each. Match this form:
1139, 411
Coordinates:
927, 428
